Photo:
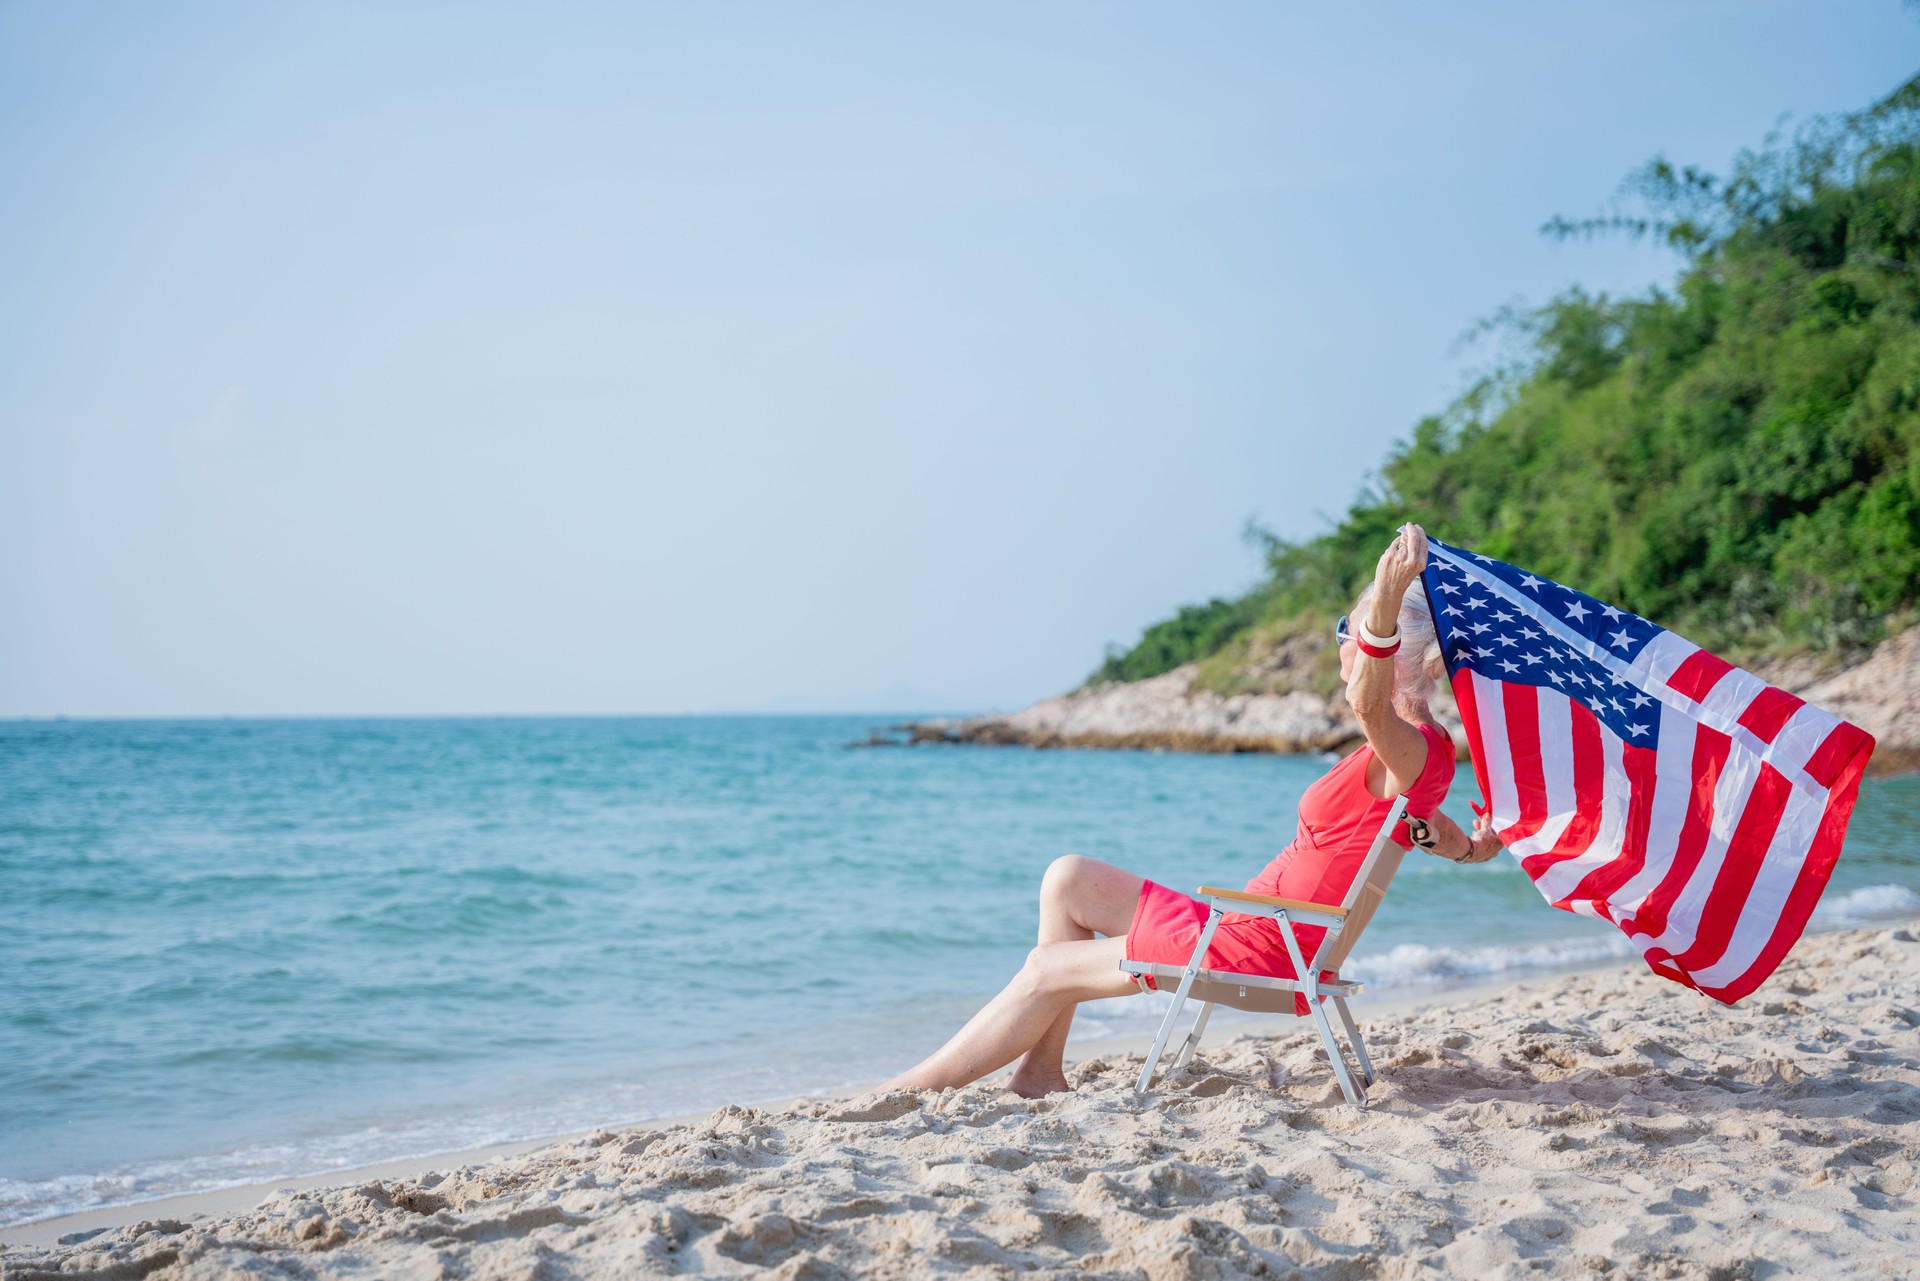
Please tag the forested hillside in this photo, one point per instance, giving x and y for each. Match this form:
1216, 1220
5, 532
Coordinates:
1737, 457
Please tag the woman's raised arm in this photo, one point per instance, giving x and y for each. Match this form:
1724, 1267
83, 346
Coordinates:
1395, 741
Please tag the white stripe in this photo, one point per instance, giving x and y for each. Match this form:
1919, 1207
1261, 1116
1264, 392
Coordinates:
1556, 760
1732, 693
1672, 790
1760, 914
1662, 656
1502, 797
1565, 876
1801, 737
1634, 672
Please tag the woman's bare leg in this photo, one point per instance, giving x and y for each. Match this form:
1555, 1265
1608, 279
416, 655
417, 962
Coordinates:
1079, 897
1032, 1014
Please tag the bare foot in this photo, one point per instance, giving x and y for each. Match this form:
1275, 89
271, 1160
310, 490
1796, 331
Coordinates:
1036, 1086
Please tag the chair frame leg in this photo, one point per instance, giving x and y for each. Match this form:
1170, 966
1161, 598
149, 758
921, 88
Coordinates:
1354, 1037
1194, 964
1309, 980
1192, 1042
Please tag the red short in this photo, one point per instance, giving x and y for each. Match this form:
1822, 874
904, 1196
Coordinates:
1166, 925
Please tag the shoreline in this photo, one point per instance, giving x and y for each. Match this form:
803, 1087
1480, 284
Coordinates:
1603, 1122
217, 1202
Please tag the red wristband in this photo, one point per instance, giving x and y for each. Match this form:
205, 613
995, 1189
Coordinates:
1377, 651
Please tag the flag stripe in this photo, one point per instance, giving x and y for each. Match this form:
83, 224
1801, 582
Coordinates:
1520, 721
1842, 746
1769, 710
1699, 674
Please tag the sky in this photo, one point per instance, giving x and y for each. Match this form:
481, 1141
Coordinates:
456, 359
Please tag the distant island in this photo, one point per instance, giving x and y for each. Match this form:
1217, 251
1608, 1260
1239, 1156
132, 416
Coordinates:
1737, 457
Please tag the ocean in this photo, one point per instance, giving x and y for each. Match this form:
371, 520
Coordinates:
247, 950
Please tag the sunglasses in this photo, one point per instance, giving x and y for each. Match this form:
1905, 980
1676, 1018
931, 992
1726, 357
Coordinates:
1340, 633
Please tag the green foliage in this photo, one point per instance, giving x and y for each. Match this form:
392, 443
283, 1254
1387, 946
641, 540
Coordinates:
1193, 633
1738, 458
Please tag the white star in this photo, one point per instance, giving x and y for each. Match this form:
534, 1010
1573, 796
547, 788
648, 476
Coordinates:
1448, 588
1554, 677
1529, 633
1638, 729
1503, 617
1639, 699
1614, 703
1578, 612
1478, 602
1509, 666
1479, 627
1620, 639
1613, 615
1620, 680
1507, 641
1531, 659
1531, 583
1484, 560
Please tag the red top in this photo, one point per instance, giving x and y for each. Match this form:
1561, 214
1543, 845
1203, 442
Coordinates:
1339, 819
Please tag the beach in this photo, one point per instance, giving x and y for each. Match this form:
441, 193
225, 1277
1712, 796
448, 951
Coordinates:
1602, 1123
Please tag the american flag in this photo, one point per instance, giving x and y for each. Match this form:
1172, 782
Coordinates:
1640, 779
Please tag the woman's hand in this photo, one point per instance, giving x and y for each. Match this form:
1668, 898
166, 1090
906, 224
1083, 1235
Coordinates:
1399, 565
1441, 836
1483, 844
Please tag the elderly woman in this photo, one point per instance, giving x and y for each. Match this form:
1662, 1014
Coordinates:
1389, 662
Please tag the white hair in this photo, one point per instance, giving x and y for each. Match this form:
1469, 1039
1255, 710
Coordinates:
1419, 665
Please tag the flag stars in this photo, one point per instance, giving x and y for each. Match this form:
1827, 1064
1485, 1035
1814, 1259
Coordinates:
1531, 659
1509, 666
1613, 615
1578, 612
1531, 583
1637, 729
1620, 639
1639, 699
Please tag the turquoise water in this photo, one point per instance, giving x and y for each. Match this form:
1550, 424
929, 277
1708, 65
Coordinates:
250, 950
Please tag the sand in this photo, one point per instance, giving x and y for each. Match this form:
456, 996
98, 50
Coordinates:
1604, 1124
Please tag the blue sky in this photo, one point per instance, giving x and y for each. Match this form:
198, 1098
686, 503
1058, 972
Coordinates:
627, 358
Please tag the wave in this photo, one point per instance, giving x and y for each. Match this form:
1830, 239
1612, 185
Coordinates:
1865, 905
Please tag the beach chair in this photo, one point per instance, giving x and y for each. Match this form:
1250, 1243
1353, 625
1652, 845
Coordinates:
1269, 995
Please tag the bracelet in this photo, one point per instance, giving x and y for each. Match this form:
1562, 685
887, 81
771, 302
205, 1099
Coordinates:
1377, 651
1365, 633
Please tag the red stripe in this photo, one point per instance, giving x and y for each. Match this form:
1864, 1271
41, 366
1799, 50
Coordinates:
1720, 913
1464, 698
1821, 856
1522, 706
1770, 709
1589, 792
1710, 748
1641, 766
1700, 673
1837, 752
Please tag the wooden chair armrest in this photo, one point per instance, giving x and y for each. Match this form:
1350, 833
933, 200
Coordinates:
1292, 904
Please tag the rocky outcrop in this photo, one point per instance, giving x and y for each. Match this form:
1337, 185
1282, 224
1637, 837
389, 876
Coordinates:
1878, 691
1172, 713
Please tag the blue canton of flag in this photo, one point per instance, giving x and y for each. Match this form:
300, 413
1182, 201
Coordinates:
1514, 627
